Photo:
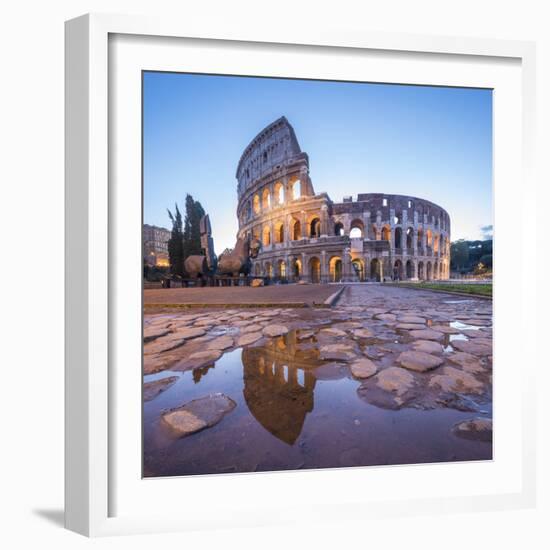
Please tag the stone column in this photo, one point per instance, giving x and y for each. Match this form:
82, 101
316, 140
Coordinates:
324, 267
303, 222
324, 220
346, 266
305, 268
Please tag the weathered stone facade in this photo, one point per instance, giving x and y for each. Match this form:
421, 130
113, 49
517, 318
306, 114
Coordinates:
309, 237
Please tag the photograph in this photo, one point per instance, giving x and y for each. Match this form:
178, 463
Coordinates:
317, 274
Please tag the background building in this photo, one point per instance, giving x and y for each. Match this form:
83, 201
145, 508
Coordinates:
309, 237
155, 245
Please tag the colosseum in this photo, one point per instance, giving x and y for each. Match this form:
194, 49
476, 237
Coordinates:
307, 237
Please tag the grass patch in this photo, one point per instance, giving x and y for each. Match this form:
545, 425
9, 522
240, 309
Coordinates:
482, 289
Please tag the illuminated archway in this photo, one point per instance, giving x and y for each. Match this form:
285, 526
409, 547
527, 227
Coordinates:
358, 267
296, 230
279, 236
281, 269
266, 236
266, 199
386, 233
335, 269
315, 228
296, 188
297, 268
256, 204
279, 193
315, 269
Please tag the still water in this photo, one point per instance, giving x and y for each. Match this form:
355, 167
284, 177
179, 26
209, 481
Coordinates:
295, 412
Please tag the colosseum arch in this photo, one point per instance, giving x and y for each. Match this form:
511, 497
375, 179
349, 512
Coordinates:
335, 269
435, 274
339, 229
315, 269
429, 238
256, 204
315, 227
409, 269
266, 236
297, 268
420, 240
295, 188
398, 237
376, 269
398, 270
268, 268
377, 235
409, 237
428, 271
421, 275
357, 229
281, 269
358, 266
386, 233
279, 193
296, 229
266, 199
257, 270
441, 271
436, 243
279, 234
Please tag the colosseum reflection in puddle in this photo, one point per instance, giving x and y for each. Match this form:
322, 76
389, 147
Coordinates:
307, 236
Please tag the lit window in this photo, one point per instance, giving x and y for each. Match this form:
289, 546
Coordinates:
384, 202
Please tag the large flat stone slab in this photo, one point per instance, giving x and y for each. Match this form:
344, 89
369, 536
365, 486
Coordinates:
427, 346
249, 338
220, 343
337, 352
198, 360
152, 389
474, 347
198, 414
455, 380
427, 334
479, 429
419, 361
363, 368
274, 330
395, 380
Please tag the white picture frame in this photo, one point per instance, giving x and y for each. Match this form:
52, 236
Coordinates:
92, 431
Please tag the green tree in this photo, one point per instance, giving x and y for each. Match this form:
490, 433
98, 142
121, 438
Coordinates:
191, 233
176, 244
460, 254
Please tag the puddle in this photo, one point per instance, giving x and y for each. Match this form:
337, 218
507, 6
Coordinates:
294, 411
463, 326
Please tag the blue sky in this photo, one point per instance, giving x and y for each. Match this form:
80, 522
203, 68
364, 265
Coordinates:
430, 142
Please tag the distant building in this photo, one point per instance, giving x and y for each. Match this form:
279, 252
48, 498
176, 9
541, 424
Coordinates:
155, 245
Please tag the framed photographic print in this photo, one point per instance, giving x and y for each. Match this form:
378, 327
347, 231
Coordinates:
289, 275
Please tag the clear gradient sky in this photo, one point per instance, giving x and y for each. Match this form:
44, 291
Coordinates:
430, 142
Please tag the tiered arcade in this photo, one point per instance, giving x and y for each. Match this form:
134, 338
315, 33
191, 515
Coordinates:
309, 237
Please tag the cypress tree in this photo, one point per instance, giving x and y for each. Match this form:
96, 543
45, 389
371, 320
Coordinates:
191, 233
176, 244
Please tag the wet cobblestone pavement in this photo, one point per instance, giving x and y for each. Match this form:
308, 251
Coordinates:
388, 376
